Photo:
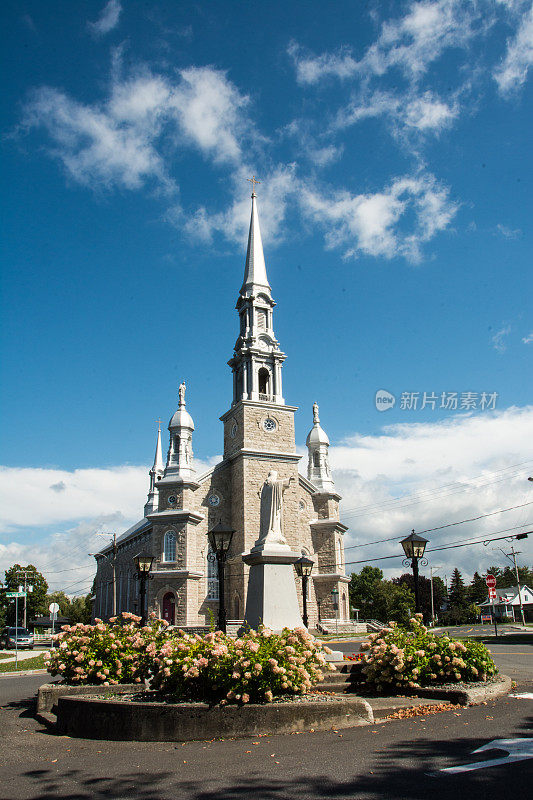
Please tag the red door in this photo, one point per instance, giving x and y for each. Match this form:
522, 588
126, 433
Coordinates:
168, 608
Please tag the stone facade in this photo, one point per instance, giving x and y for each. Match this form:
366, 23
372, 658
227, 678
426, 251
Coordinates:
181, 508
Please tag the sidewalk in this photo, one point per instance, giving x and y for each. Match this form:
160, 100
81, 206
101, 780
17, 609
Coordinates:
22, 654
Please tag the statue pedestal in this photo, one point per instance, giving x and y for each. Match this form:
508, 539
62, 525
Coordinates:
271, 599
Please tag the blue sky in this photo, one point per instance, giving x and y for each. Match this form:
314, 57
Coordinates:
393, 145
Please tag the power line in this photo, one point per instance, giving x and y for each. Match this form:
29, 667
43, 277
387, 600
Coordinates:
412, 499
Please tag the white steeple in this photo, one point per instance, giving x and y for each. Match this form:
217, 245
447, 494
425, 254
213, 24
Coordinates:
179, 458
257, 359
155, 474
318, 471
255, 276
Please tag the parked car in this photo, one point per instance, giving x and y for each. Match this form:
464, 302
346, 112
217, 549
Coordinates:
16, 637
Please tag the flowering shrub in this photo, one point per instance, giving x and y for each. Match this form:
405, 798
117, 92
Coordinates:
116, 652
413, 657
256, 667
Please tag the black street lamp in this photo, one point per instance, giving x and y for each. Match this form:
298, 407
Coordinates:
414, 547
304, 568
143, 563
335, 600
220, 540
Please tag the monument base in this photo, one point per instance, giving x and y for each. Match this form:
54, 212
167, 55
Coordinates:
271, 598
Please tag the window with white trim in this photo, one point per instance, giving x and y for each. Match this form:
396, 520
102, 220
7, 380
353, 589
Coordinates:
169, 546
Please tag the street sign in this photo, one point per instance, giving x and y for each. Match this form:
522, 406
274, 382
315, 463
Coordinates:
490, 580
15, 594
53, 608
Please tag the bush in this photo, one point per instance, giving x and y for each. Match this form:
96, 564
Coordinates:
257, 667
413, 657
117, 652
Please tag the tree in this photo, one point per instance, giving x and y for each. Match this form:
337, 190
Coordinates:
62, 600
424, 591
81, 609
457, 594
477, 591
35, 601
362, 590
393, 602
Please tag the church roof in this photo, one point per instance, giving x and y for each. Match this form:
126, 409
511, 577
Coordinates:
255, 275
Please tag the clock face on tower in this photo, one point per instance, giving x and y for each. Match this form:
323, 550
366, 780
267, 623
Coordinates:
214, 500
172, 500
269, 424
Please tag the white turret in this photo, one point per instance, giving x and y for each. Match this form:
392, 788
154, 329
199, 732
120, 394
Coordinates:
318, 471
181, 426
156, 473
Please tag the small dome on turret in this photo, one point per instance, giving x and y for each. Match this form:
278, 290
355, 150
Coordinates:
316, 434
182, 418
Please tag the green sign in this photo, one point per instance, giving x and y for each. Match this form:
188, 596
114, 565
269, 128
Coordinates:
15, 594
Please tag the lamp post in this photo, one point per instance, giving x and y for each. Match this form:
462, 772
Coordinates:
143, 563
220, 538
304, 568
335, 598
413, 547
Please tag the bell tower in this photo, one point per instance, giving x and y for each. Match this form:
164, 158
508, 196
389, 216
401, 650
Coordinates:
257, 358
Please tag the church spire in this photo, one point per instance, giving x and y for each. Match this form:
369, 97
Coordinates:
255, 276
155, 474
257, 359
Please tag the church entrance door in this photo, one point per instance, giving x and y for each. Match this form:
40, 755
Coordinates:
168, 608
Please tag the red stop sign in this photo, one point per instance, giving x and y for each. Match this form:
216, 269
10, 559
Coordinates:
490, 580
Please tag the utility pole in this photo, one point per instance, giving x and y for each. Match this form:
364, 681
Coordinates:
518, 585
27, 587
432, 596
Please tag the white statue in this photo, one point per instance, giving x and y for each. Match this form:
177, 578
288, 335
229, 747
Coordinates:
181, 393
272, 509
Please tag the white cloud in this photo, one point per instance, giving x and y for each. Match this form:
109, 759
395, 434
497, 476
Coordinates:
499, 339
528, 339
311, 69
512, 73
443, 472
374, 224
408, 111
119, 142
410, 43
508, 233
107, 20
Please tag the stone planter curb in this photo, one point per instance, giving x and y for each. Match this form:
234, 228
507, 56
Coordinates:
114, 720
48, 693
466, 697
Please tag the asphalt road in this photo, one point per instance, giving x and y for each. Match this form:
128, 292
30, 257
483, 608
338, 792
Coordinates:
394, 760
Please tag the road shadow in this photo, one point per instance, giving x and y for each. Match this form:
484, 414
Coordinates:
407, 770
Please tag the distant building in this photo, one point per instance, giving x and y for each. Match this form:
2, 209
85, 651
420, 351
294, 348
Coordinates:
181, 507
508, 603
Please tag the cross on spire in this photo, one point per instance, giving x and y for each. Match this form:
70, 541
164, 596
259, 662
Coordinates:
253, 180
158, 422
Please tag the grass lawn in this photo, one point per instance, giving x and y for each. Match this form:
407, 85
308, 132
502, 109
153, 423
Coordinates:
3, 656
37, 662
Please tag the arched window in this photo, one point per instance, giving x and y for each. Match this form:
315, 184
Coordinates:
264, 381
169, 546
316, 459
236, 607
212, 575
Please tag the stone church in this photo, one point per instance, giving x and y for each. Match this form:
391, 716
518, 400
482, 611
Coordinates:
182, 506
